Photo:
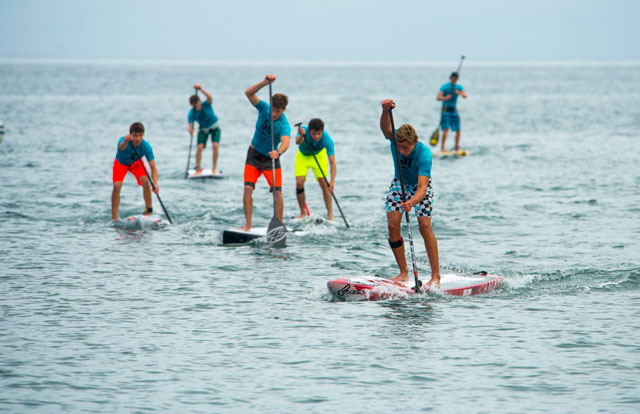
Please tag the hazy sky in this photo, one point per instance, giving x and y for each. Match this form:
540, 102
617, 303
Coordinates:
320, 29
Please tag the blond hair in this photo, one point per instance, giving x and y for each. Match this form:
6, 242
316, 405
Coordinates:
406, 133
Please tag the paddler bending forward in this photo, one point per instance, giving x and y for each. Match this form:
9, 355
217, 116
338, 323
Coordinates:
129, 159
415, 161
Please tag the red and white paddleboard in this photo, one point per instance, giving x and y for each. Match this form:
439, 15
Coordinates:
378, 288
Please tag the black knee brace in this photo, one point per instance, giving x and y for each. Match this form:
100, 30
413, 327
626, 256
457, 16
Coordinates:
300, 191
396, 244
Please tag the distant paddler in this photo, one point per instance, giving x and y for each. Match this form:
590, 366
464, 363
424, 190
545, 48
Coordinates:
450, 118
262, 150
202, 112
413, 168
129, 159
315, 146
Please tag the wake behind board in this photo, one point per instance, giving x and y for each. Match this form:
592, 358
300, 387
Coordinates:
355, 288
204, 174
451, 154
237, 236
140, 222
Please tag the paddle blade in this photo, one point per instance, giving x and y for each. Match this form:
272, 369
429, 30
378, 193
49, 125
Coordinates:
276, 233
435, 137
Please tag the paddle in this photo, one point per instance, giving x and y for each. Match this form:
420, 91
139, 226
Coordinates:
436, 134
186, 172
324, 176
404, 199
151, 181
276, 233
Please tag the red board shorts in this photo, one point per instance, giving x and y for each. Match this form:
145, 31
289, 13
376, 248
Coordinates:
257, 164
120, 170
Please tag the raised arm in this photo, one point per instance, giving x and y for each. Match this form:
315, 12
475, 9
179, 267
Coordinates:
125, 142
207, 94
385, 121
251, 92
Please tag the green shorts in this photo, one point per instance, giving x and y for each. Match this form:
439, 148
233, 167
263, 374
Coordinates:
203, 134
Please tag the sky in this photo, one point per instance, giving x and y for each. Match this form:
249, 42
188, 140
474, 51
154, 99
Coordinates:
418, 30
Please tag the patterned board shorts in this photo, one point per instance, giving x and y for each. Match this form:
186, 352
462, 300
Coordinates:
394, 198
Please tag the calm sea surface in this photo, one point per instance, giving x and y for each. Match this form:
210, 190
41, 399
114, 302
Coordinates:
98, 320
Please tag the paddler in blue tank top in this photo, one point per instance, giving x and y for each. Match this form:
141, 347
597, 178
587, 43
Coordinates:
415, 161
202, 112
314, 140
127, 161
450, 119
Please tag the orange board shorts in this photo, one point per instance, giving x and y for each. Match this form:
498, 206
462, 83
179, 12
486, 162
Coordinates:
121, 170
258, 164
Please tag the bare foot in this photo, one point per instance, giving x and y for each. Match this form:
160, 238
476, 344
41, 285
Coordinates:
330, 217
245, 228
402, 277
214, 171
301, 216
435, 281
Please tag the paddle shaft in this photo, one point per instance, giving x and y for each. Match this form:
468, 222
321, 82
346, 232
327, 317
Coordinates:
276, 232
404, 199
151, 182
273, 148
186, 172
325, 178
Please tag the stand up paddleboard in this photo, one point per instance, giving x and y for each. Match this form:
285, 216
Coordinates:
447, 154
377, 288
204, 174
140, 222
237, 236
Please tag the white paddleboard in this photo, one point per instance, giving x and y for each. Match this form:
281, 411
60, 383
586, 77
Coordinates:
206, 173
140, 222
378, 288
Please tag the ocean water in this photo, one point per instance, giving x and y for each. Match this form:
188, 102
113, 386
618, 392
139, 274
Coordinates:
99, 320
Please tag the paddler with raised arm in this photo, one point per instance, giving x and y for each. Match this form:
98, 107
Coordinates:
260, 153
415, 161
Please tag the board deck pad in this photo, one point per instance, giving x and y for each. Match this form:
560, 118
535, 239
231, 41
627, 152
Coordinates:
378, 288
206, 173
237, 236
140, 222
